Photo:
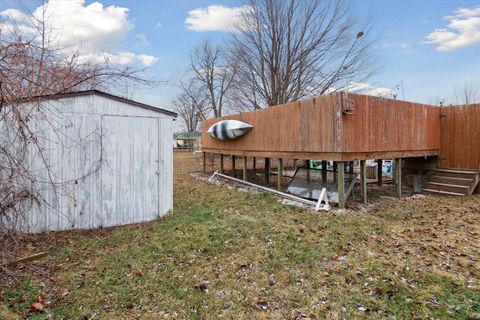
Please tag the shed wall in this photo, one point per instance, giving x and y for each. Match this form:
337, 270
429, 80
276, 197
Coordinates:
75, 152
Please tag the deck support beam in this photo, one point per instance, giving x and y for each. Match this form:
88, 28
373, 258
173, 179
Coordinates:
267, 171
204, 169
363, 180
245, 168
233, 166
341, 184
307, 165
254, 163
280, 174
222, 170
324, 170
379, 172
398, 176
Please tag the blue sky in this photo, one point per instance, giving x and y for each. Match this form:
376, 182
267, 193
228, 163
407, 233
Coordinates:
154, 33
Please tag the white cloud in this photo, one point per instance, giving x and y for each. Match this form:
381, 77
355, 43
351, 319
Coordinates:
404, 47
463, 30
142, 40
215, 18
76, 27
147, 60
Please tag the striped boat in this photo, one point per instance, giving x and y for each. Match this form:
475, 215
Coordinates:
229, 129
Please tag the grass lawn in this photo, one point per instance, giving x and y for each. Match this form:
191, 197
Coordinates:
234, 255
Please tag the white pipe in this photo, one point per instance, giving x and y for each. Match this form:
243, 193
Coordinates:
282, 194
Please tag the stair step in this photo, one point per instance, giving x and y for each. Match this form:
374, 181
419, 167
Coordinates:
447, 187
457, 173
446, 193
452, 180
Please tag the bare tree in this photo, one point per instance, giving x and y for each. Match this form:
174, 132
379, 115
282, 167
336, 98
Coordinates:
291, 49
467, 95
190, 105
215, 72
33, 68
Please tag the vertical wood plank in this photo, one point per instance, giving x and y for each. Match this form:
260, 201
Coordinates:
245, 168
363, 180
267, 171
341, 184
204, 169
222, 170
398, 174
280, 174
379, 172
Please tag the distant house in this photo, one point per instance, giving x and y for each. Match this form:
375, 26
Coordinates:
190, 141
110, 161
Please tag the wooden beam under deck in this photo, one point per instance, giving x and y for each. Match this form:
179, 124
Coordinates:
331, 156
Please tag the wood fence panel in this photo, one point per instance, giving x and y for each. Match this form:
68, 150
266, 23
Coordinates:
319, 126
379, 124
460, 137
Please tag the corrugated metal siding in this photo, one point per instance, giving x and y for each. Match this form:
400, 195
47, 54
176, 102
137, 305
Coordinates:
95, 189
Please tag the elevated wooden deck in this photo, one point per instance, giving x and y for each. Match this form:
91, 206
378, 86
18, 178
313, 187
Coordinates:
338, 126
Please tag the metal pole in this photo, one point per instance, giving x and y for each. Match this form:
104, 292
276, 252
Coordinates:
283, 194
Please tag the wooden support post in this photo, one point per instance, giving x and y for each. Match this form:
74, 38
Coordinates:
398, 176
233, 165
324, 171
245, 168
379, 172
254, 163
341, 184
394, 170
280, 174
221, 163
363, 180
307, 165
350, 166
204, 169
267, 171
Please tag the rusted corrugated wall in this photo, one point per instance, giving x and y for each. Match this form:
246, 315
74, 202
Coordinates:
460, 137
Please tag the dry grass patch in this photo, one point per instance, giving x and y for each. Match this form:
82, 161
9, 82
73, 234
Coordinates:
234, 255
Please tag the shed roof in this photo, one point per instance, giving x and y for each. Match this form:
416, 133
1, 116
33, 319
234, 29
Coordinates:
108, 96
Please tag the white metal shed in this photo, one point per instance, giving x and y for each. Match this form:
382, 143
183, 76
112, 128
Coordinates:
110, 160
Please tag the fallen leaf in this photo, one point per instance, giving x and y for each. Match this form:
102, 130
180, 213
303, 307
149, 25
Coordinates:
41, 298
140, 273
37, 306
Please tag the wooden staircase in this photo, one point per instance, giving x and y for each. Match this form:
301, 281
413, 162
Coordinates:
452, 182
